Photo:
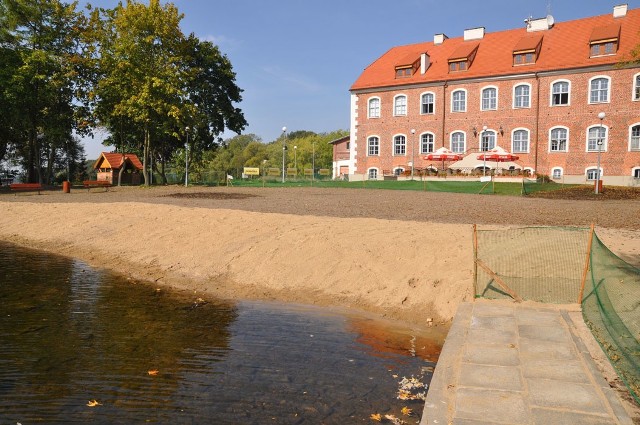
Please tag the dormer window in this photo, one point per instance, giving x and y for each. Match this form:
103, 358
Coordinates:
403, 72
526, 50
407, 66
463, 57
604, 40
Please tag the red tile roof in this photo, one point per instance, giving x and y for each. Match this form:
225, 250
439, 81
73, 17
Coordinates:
464, 50
606, 32
565, 46
114, 160
528, 43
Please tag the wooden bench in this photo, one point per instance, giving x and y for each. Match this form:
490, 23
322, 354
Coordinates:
88, 184
25, 187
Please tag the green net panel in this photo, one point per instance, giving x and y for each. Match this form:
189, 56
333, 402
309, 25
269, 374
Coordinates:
538, 264
611, 308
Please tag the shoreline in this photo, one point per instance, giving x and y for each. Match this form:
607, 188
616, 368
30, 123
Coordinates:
314, 247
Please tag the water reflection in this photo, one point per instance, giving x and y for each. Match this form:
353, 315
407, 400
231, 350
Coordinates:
70, 334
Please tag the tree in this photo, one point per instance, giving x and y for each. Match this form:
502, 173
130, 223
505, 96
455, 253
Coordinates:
158, 82
39, 44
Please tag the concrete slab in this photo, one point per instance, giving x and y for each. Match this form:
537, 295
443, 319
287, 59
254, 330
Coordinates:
514, 364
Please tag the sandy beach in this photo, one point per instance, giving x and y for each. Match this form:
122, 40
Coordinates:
400, 255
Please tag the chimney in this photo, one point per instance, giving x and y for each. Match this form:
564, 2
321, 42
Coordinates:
620, 10
439, 39
425, 62
474, 34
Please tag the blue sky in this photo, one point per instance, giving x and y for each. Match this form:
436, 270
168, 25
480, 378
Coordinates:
296, 59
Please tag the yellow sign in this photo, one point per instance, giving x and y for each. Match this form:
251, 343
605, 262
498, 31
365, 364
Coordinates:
324, 172
291, 171
273, 172
251, 171
308, 171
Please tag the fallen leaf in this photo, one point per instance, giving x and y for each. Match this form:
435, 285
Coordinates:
376, 417
93, 403
406, 411
153, 372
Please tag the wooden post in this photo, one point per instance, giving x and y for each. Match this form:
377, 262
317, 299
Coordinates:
500, 282
475, 260
586, 264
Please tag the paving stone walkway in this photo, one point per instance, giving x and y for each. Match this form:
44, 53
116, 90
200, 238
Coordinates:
513, 364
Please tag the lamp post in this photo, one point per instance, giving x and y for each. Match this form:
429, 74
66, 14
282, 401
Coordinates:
484, 158
413, 157
186, 159
295, 158
601, 116
284, 149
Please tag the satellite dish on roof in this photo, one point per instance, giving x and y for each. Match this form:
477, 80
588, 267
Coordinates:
550, 21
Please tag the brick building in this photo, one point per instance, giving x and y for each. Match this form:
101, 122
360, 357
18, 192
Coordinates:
536, 91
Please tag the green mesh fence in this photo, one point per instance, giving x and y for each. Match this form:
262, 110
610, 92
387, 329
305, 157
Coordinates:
611, 309
543, 264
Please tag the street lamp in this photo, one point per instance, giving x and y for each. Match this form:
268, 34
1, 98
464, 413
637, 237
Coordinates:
413, 157
295, 158
484, 165
186, 159
601, 116
284, 149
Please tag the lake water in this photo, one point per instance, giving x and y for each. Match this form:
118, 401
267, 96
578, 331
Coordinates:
71, 335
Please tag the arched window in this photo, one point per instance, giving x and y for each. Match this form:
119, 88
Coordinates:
560, 91
374, 107
373, 146
556, 173
489, 99
634, 137
487, 140
399, 145
522, 96
558, 139
427, 103
597, 139
458, 142
599, 90
459, 101
373, 173
520, 141
636, 87
426, 143
400, 105
592, 174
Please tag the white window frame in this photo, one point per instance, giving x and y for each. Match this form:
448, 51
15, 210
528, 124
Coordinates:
631, 135
586, 173
633, 172
464, 91
369, 107
553, 171
599, 77
433, 103
568, 93
433, 142
488, 132
635, 93
368, 145
513, 132
397, 106
482, 91
393, 145
464, 141
559, 127
605, 142
375, 169
397, 171
515, 87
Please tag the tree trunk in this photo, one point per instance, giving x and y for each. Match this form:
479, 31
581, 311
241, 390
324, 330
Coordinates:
121, 170
145, 155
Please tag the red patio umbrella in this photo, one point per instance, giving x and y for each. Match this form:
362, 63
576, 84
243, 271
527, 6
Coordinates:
496, 155
443, 154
